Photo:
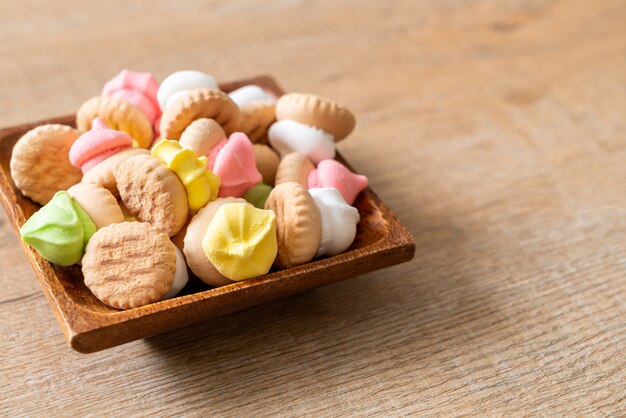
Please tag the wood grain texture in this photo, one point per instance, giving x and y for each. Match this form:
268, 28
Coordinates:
495, 130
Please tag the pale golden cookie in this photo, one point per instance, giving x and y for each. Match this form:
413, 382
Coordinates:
40, 164
129, 264
316, 111
298, 224
117, 114
103, 173
98, 202
194, 254
201, 135
179, 238
197, 104
152, 193
255, 118
294, 167
128, 217
267, 161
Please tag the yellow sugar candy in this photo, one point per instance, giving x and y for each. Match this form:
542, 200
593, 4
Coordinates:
241, 241
201, 184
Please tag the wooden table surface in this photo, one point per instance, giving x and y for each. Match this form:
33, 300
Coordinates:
495, 130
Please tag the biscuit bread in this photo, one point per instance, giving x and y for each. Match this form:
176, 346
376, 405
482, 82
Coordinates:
298, 224
129, 264
117, 114
197, 104
40, 165
152, 193
316, 111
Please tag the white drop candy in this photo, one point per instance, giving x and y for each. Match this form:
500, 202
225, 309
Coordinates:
179, 83
250, 93
339, 221
181, 277
288, 136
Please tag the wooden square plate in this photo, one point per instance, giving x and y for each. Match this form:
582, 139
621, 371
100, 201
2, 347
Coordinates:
89, 325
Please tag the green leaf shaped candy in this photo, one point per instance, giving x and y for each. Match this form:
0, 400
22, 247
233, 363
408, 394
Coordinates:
60, 230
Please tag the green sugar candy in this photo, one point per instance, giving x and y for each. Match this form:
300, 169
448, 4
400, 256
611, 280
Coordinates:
257, 195
60, 230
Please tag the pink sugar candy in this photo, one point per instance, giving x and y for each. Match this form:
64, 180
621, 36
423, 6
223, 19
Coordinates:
138, 99
156, 127
213, 153
236, 167
97, 144
331, 173
89, 164
137, 88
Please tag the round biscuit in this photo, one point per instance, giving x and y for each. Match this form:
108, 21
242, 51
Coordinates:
255, 118
294, 167
316, 111
40, 164
298, 224
103, 173
152, 193
98, 202
197, 104
267, 161
117, 114
129, 264
201, 135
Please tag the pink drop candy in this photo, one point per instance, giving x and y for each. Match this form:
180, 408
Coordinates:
157, 126
138, 99
144, 89
213, 153
97, 144
331, 173
236, 167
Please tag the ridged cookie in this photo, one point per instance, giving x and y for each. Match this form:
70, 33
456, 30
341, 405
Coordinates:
40, 164
317, 111
255, 119
129, 264
192, 248
197, 104
294, 167
201, 135
98, 202
298, 224
117, 114
103, 173
128, 217
152, 193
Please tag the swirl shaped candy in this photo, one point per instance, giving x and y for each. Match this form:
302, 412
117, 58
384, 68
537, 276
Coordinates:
287, 136
250, 93
240, 241
339, 221
201, 184
60, 230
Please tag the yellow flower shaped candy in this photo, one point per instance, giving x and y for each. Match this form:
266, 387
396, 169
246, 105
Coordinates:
241, 241
201, 184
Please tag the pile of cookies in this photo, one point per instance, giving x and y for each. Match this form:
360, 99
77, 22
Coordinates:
159, 179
